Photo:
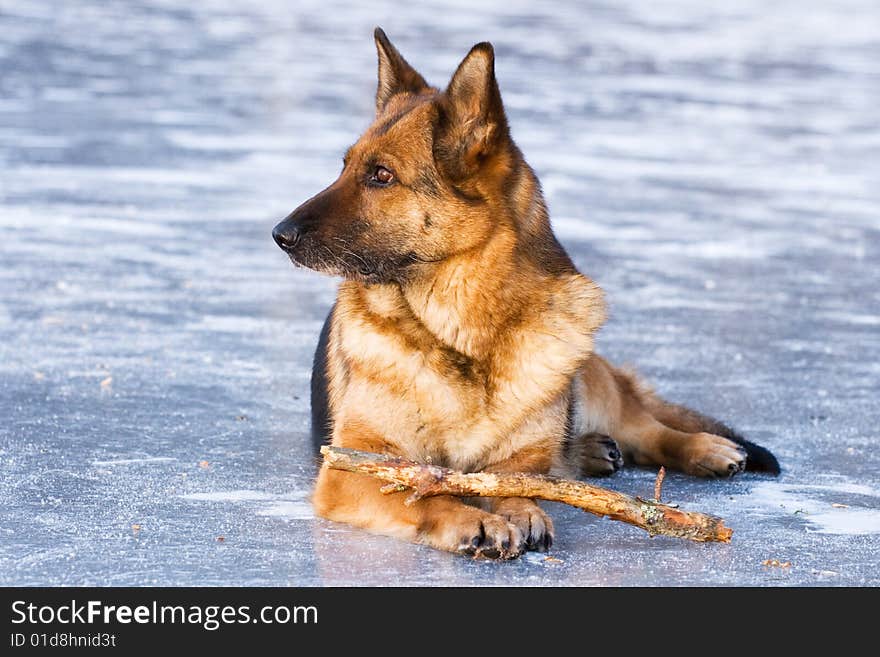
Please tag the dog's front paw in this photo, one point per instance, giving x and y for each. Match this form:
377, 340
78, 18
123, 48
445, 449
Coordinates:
600, 455
477, 533
492, 537
708, 455
530, 519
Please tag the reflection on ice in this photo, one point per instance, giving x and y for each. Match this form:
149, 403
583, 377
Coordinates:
822, 507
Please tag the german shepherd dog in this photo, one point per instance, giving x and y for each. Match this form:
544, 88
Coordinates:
462, 333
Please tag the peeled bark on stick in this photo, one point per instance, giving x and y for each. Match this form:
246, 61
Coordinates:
426, 480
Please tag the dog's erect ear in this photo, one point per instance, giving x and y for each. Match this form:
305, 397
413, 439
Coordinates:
395, 74
474, 125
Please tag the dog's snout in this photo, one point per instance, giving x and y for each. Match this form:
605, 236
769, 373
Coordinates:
286, 235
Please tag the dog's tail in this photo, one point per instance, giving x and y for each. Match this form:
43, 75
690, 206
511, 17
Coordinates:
682, 418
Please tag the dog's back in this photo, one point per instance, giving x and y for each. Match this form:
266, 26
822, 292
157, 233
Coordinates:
322, 422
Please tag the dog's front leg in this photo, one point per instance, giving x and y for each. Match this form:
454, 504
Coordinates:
523, 512
443, 522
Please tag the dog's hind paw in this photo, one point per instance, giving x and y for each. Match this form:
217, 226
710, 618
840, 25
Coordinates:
600, 455
708, 455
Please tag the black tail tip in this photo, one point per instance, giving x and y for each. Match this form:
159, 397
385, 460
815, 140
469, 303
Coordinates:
760, 459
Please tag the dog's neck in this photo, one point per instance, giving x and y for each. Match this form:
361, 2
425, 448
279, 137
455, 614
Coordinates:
482, 300
469, 298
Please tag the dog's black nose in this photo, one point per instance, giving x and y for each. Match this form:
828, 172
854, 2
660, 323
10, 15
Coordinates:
286, 236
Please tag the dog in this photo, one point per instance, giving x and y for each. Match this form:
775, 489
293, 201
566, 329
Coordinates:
462, 334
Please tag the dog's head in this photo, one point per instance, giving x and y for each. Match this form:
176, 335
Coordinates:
421, 185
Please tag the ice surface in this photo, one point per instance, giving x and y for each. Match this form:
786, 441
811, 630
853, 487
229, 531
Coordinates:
716, 167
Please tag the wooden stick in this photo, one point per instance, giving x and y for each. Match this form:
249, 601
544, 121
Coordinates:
427, 480
658, 483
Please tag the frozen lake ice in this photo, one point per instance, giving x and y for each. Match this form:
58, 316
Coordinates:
715, 168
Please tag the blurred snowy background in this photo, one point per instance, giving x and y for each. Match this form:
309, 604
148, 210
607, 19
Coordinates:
715, 166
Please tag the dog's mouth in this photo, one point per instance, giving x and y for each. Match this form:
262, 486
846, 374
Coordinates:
345, 262
331, 264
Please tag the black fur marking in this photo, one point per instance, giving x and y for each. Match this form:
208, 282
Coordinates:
473, 199
426, 183
547, 254
460, 364
568, 435
760, 459
391, 122
321, 420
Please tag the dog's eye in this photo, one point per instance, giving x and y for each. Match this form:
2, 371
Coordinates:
382, 176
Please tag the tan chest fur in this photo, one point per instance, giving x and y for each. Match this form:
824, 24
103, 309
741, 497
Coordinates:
432, 402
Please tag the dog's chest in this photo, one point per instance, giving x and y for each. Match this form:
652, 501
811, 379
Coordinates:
431, 402
438, 406
422, 395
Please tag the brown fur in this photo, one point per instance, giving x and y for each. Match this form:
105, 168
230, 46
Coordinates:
463, 334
